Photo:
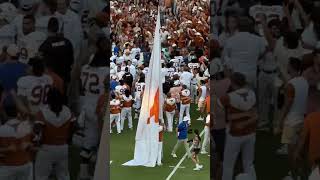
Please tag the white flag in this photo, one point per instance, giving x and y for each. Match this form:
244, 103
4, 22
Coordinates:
147, 135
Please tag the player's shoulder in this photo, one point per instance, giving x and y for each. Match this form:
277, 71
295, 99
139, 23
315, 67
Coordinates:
25, 81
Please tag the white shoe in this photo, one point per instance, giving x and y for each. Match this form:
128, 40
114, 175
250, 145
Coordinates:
200, 166
203, 152
283, 150
196, 169
174, 155
200, 119
119, 133
159, 164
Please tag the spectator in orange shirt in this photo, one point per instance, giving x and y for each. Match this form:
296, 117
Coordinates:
309, 139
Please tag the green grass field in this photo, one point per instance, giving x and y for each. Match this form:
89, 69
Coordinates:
122, 150
269, 166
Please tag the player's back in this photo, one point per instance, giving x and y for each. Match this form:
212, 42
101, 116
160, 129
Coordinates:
92, 80
35, 88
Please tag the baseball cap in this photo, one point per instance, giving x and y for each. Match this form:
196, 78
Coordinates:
13, 50
186, 118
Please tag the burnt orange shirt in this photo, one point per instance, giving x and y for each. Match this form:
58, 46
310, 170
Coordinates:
208, 104
312, 129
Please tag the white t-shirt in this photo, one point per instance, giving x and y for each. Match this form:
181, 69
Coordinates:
308, 36
298, 108
185, 78
203, 93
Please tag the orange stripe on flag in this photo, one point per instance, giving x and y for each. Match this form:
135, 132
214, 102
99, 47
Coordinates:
154, 111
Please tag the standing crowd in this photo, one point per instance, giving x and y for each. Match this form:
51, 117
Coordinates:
265, 63
185, 66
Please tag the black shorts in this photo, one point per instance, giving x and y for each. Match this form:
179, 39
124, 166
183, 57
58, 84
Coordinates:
219, 137
196, 150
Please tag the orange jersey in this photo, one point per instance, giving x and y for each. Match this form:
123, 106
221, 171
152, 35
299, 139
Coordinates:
11, 137
115, 106
56, 129
170, 105
127, 101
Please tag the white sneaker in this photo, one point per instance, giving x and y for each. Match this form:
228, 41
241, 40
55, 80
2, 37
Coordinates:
174, 155
196, 169
200, 119
283, 150
200, 166
159, 164
204, 152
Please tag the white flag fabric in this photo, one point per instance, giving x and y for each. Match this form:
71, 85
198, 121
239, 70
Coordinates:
147, 135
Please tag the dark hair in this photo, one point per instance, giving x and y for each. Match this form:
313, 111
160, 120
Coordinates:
295, 64
99, 58
142, 78
184, 86
245, 24
37, 65
239, 79
127, 92
53, 25
196, 131
55, 100
113, 96
274, 22
291, 39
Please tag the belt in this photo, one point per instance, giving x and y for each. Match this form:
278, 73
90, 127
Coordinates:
269, 72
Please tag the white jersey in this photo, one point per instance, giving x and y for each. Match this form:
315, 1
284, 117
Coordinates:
120, 89
31, 43
135, 52
93, 82
164, 72
203, 93
6, 36
139, 88
35, 89
194, 65
186, 77
176, 63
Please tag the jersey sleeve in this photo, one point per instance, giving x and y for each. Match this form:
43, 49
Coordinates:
22, 85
